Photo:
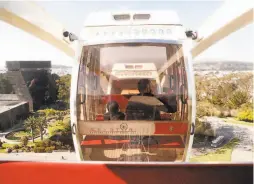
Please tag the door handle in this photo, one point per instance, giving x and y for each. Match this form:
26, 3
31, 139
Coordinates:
192, 131
73, 129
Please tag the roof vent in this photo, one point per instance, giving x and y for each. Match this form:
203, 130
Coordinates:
141, 16
122, 17
129, 66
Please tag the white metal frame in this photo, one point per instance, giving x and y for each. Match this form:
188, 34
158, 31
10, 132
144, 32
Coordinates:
191, 90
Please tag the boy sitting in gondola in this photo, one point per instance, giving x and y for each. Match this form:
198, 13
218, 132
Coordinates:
113, 112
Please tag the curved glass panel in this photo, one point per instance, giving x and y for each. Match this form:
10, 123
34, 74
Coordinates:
132, 102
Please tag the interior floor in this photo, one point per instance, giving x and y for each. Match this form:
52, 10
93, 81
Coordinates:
171, 149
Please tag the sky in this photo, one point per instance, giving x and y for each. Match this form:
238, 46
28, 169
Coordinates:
16, 44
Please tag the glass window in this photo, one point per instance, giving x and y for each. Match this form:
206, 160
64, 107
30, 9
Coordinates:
128, 92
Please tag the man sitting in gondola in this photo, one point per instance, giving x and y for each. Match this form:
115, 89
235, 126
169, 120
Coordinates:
147, 106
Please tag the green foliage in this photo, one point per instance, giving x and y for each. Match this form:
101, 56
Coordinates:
41, 125
246, 112
7, 145
218, 98
237, 99
63, 85
48, 112
246, 106
225, 96
59, 127
60, 115
204, 128
5, 85
55, 76
221, 115
31, 123
39, 150
245, 115
48, 146
49, 149
19, 134
52, 113
9, 150
16, 146
222, 154
203, 110
36, 123
45, 143
45, 146
206, 109
28, 149
24, 141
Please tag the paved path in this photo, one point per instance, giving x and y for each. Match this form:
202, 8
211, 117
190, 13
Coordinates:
241, 156
244, 150
3, 134
59, 156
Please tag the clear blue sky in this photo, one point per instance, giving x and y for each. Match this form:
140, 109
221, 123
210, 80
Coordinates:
18, 45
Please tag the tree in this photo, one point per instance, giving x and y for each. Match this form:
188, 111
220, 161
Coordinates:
55, 76
30, 123
245, 82
63, 85
218, 96
5, 85
24, 141
237, 99
41, 124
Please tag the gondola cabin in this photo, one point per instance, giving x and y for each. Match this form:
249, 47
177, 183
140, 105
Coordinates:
133, 95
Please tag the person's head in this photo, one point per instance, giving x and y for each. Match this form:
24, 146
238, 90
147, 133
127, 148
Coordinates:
113, 107
144, 86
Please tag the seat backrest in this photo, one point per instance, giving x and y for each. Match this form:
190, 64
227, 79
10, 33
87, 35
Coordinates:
139, 111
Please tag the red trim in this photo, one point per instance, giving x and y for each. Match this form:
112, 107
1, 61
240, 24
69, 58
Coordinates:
99, 117
171, 128
64, 173
105, 142
120, 99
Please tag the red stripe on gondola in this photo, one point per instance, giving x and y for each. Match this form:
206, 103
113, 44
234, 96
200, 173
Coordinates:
105, 142
92, 142
171, 128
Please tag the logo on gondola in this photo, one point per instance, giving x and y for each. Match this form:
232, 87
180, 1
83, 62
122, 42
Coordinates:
171, 129
124, 126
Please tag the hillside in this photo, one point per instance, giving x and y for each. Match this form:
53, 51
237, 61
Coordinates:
223, 66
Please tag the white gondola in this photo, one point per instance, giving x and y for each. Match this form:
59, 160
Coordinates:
117, 50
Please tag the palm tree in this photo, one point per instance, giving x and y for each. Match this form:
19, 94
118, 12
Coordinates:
32, 125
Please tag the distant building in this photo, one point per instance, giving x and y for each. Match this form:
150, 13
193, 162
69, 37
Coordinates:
11, 110
32, 82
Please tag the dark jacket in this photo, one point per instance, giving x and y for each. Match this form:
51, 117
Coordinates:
139, 111
114, 116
